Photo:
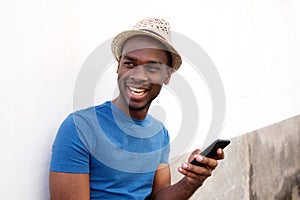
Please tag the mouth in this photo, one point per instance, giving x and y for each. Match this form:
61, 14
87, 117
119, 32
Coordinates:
137, 91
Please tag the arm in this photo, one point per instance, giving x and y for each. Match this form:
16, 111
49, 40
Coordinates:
68, 186
69, 167
194, 178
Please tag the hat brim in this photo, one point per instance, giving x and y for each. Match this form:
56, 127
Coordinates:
119, 40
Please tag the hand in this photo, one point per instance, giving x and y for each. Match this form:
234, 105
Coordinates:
196, 175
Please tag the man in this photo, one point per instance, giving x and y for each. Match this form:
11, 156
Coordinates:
117, 150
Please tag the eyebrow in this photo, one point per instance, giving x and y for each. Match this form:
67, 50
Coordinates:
129, 58
134, 59
155, 62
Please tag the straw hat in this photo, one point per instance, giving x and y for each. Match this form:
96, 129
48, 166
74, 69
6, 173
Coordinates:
156, 28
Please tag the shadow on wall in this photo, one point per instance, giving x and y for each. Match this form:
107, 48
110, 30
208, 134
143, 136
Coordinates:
263, 164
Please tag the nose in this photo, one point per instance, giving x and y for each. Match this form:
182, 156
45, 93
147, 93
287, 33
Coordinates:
139, 74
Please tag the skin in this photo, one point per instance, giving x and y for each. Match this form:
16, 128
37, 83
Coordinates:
193, 179
142, 71
68, 186
143, 65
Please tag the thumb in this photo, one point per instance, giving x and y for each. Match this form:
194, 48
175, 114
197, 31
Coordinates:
195, 152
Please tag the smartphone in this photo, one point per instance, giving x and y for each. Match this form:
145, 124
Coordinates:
211, 150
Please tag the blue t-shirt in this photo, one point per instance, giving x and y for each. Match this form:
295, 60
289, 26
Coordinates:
119, 153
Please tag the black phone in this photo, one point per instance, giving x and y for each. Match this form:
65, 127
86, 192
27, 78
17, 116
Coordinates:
211, 150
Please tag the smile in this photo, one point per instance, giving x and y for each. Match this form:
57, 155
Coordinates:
137, 91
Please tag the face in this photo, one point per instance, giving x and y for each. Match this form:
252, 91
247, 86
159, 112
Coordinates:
142, 70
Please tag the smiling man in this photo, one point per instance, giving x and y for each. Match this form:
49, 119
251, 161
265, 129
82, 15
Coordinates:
116, 150
143, 69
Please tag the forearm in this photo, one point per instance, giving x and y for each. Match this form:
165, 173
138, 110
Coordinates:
194, 177
182, 190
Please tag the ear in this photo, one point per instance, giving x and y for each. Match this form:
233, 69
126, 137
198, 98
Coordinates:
118, 65
168, 75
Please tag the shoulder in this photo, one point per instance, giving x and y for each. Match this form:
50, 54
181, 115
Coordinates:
91, 113
80, 125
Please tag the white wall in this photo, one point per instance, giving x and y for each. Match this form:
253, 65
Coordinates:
254, 45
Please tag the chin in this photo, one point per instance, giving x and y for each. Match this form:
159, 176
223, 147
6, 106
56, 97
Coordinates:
133, 106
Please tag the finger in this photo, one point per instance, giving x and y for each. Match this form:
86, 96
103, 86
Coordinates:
194, 171
192, 175
192, 178
195, 152
220, 154
209, 162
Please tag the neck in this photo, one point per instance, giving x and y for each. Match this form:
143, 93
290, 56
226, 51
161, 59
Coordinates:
138, 114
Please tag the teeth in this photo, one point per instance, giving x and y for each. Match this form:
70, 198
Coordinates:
137, 91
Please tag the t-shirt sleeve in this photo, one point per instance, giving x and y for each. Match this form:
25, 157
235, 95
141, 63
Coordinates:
69, 154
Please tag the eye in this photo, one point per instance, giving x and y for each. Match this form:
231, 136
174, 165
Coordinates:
128, 64
153, 67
